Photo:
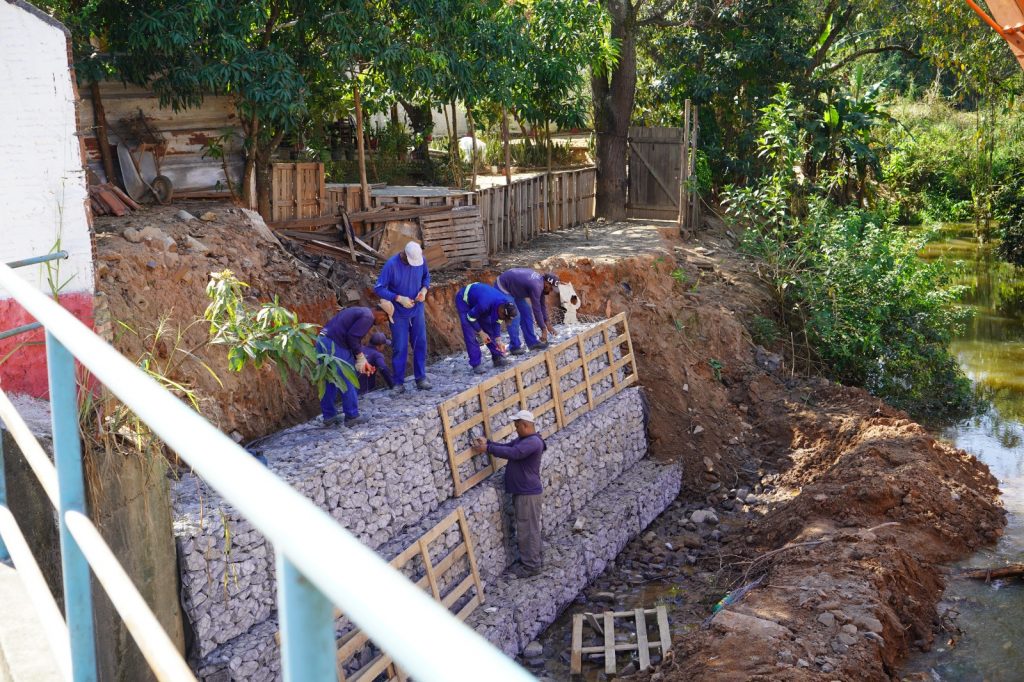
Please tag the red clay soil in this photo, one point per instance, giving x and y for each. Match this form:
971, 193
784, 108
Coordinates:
149, 283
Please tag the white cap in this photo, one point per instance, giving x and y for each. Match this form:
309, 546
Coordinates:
414, 253
523, 416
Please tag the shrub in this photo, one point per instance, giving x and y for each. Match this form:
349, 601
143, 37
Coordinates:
764, 331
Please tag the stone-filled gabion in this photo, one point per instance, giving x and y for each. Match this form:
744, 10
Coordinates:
388, 482
516, 611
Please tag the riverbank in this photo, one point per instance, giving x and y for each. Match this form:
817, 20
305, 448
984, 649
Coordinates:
845, 506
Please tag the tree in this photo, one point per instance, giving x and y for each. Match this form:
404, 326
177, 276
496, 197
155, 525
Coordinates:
614, 90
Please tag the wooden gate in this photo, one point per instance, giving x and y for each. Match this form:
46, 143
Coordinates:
298, 191
654, 161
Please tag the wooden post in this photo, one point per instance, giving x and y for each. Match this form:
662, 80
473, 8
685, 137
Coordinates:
364, 186
508, 172
100, 116
684, 166
694, 195
472, 153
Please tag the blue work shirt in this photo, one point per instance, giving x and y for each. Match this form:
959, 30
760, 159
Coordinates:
348, 328
522, 474
529, 284
398, 278
377, 359
481, 302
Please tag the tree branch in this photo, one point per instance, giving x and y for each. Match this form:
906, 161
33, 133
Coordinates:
657, 13
870, 50
840, 23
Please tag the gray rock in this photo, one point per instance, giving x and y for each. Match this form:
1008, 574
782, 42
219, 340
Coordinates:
606, 597
533, 650
850, 628
869, 623
196, 245
132, 235
707, 516
185, 216
827, 619
846, 638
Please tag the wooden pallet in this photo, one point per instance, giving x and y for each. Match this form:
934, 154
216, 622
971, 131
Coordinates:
432, 580
459, 232
614, 333
603, 625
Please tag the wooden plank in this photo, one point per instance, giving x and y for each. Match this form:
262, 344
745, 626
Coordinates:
457, 553
619, 647
461, 589
467, 539
609, 644
442, 526
664, 632
556, 388
576, 660
641, 640
371, 670
429, 569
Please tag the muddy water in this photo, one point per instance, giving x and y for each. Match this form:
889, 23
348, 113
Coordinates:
986, 638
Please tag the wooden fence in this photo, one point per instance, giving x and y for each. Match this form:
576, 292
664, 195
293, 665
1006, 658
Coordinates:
571, 202
558, 386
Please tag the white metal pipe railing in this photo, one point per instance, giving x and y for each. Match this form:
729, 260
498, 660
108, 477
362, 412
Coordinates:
38, 591
34, 454
154, 643
420, 634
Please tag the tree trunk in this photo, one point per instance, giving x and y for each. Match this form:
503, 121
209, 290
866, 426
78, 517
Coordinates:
508, 177
249, 192
100, 114
472, 153
613, 108
364, 186
547, 183
422, 121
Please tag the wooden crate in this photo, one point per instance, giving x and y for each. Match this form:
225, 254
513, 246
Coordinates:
604, 626
487, 414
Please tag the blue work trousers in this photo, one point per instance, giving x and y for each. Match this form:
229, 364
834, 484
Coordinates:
350, 397
469, 335
522, 322
409, 323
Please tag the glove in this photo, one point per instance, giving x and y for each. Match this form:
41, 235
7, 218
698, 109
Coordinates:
479, 445
484, 338
404, 301
422, 296
502, 348
361, 364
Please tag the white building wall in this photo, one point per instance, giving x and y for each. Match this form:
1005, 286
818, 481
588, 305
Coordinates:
42, 179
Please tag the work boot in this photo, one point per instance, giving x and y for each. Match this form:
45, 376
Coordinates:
399, 389
479, 369
518, 351
500, 361
336, 419
540, 345
355, 421
523, 571
424, 384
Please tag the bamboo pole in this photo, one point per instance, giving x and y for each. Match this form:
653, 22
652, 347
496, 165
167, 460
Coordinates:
472, 153
694, 196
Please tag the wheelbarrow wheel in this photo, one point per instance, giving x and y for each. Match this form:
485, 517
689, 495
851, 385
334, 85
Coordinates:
162, 188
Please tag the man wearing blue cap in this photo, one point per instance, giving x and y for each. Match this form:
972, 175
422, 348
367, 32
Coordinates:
528, 288
482, 309
343, 337
404, 281
374, 353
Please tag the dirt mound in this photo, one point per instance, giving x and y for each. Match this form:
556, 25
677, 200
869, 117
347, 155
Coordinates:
152, 270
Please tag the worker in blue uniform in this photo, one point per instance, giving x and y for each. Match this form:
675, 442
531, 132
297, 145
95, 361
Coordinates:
482, 309
343, 337
529, 289
374, 353
405, 281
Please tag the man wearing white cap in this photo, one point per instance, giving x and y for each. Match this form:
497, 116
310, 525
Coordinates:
404, 281
522, 482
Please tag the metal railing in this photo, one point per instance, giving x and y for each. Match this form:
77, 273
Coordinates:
319, 563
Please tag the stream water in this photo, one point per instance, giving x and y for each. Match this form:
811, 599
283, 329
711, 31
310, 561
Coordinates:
990, 642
